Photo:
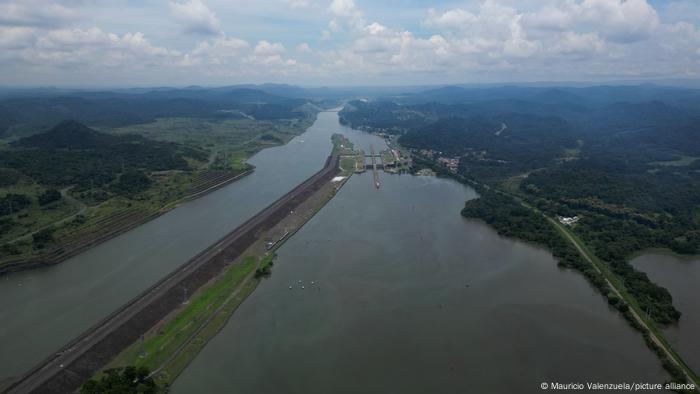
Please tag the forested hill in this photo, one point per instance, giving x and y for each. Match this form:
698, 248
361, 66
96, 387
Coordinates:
71, 154
450, 135
505, 145
69, 134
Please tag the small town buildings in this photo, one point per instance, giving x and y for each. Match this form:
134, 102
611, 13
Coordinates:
451, 163
568, 220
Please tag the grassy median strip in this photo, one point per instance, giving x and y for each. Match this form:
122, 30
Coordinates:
172, 369
159, 345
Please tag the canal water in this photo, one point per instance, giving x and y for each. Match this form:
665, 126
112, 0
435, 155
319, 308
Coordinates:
681, 277
410, 297
41, 310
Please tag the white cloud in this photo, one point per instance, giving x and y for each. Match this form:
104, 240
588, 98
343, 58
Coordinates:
14, 38
542, 39
577, 44
196, 17
345, 13
344, 9
298, 4
623, 20
265, 48
304, 48
233, 57
334, 26
38, 13
219, 51
451, 19
556, 37
90, 48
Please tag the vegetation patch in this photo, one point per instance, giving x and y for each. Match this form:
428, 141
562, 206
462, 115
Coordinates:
350, 159
681, 161
127, 380
204, 313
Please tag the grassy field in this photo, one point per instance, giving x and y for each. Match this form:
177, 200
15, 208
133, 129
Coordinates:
387, 157
342, 145
229, 141
347, 163
573, 153
681, 161
350, 159
212, 132
512, 184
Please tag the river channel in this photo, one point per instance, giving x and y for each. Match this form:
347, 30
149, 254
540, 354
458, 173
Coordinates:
43, 309
410, 297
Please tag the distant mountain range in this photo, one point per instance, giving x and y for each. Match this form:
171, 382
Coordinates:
31, 111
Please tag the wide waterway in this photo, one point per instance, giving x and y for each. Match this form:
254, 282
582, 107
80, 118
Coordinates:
41, 310
409, 297
681, 277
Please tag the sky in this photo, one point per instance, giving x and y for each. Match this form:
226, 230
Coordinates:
127, 43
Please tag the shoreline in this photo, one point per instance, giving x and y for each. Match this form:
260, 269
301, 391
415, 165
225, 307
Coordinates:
11, 267
653, 336
169, 360
663, 252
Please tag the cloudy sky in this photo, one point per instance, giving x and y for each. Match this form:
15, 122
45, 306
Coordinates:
344, 42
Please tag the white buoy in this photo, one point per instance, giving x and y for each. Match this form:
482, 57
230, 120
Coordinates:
302, 287
290, 287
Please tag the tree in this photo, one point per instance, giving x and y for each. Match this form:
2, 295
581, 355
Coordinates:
49, 196
131, 183
13, 203
126, 380
43, 237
